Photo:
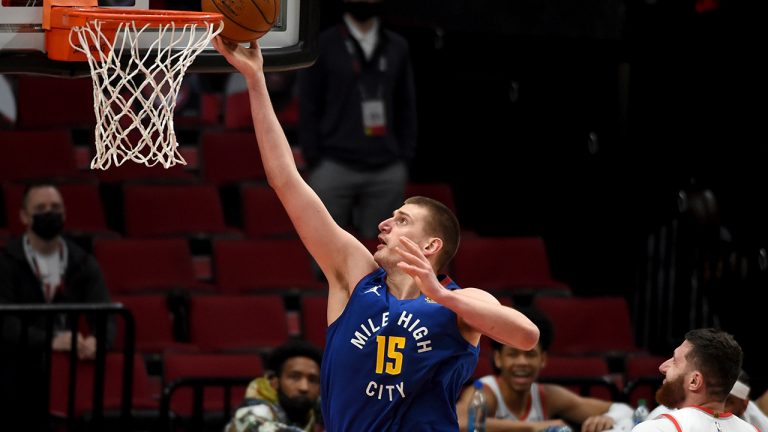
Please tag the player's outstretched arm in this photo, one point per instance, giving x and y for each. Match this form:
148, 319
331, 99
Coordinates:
478, 311
342, 258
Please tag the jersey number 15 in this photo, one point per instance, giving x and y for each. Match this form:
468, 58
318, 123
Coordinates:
388, 346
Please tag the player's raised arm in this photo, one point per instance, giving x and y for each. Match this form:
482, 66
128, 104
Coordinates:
342, 258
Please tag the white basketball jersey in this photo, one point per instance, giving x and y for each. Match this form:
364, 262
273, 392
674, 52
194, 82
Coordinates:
535, 411
695, 419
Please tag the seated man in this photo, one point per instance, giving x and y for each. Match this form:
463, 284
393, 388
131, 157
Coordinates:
517, 403
737, 402
42, 267
286, 398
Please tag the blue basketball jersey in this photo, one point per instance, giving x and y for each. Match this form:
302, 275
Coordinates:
394, 365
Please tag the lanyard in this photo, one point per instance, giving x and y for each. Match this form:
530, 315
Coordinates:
356, 53
49, 290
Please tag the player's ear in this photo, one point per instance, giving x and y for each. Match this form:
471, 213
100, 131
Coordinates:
433, 246
695, 381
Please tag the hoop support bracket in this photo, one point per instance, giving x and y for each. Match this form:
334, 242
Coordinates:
48, 4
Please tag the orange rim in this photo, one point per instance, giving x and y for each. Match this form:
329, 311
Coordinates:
115, 17
64, 19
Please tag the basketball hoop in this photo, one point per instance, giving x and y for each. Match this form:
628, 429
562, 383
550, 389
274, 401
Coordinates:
134, 90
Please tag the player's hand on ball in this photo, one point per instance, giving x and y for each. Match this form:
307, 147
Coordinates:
247, 60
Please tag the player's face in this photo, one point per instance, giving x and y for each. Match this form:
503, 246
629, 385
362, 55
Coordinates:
407, 221
676, 372
519, 368
300, 380
41, 200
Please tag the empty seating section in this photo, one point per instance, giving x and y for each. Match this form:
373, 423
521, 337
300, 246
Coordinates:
237, 323
154, 324
506, 265
263, 214
173, 210
243, 266
230, 157
588, 376
133, 266
586, 326
67, 102
43, 154
314, 319
237, 111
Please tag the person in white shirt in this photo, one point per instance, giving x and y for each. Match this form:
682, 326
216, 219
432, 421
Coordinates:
697, 380
737, 402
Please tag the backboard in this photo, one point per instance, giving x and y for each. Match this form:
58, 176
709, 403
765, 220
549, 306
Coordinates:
292, 43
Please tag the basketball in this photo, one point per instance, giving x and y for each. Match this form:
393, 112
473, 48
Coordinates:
244, 20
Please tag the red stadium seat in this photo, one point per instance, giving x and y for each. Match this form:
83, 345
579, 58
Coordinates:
582, 326
231, 157
242, 323
36, 155
505, 264
51, 102
154, 324
260, 265
168, 210
143, 396
147, 265
264, 215
237, 111
643, 378
186, 365
588, 376
314, 319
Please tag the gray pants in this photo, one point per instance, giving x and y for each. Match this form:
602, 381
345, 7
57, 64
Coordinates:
359, 199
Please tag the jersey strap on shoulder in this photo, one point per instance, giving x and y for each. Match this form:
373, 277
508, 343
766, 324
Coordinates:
674, 421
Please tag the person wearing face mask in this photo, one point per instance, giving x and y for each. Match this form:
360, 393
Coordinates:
42, 267
358, 118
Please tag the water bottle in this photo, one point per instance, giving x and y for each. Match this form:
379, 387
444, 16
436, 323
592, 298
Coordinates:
641, 412
477, 410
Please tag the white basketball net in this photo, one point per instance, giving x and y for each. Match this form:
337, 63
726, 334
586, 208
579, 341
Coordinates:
135, 94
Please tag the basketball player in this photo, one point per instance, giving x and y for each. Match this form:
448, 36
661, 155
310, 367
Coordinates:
401, 340
737, 402
697, 380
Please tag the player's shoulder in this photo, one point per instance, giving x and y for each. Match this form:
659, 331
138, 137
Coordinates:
659, 424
